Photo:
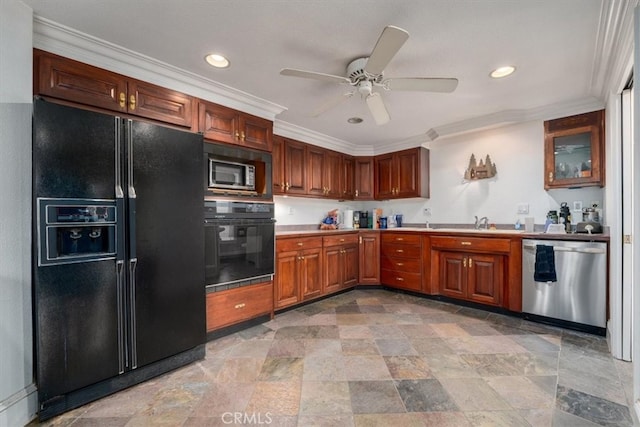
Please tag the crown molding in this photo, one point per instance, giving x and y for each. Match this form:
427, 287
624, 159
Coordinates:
65, 41
298, 133
509, 117
613, 59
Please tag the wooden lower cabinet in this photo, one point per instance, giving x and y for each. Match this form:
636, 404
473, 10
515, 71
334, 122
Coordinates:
231, 306
298, 272
369, 256
474, 277
340, 261
478, 276
401, 260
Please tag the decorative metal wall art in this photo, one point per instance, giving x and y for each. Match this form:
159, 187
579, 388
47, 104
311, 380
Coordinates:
482, 170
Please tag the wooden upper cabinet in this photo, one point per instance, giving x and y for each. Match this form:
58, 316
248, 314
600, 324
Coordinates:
333, 174
222, 124
74, 81
277, 165
158, 103
363, 178
289, 166
316, 181
574, 151
347, 177
402, 174
324, 173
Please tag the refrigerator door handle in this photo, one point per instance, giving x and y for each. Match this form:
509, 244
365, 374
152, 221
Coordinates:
130, 187
133, 262
118, 159
121, 328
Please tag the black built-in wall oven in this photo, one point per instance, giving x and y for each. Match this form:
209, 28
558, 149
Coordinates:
239, 243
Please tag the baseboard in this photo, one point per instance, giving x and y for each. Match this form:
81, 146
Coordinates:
19, 408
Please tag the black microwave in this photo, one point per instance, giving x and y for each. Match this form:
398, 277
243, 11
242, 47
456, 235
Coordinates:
224, 174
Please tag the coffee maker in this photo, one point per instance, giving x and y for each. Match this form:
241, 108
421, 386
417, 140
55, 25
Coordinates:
364, 219
565, 216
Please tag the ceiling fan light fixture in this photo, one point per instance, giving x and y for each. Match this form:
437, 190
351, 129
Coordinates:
216, 60
501, 72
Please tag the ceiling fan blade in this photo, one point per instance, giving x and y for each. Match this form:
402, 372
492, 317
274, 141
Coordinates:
426, 84
313, 75
378, 109
389, 43
331, 103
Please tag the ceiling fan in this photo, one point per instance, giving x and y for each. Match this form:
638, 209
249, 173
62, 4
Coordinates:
363, 74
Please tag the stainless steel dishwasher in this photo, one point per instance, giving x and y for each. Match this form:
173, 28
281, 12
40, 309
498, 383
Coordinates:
579, 294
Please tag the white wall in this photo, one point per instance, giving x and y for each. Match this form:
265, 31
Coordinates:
516, 150
17, 391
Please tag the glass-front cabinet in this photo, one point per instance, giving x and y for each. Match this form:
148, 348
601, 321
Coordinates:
574, 151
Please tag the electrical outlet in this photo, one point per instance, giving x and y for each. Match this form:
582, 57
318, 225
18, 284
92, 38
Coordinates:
426, 212
523, 208
291, 211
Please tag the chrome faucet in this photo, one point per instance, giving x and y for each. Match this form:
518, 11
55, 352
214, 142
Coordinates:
478, 222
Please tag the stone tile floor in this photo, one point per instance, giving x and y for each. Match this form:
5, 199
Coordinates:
379, 358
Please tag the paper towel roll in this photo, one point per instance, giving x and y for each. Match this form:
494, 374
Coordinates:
347, 219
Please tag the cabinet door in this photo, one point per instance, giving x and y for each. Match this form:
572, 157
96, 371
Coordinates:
350, 265
277, 165
332, 269
311, 272
408, 173
369, 258
485, 278
287, 279
315, 171
218, 123
363, 178
453, 274
332, 173
347, 177
574, 151
295, 167
74, 81
385, 179
158, 103
256, 132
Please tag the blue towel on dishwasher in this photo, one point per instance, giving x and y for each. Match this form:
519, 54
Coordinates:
545, 267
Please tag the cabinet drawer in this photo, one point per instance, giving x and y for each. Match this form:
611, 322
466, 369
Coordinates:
471, 244
401, 279
296, 243
225, 308
401, 264
340, 239
405, 238
401, 251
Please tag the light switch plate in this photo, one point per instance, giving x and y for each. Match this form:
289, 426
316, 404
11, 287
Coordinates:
523, 208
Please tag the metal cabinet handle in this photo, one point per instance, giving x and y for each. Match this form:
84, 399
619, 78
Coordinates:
242, 136
399, 279
132, 102
123, 100
465, 243
464, 263
550, 176
400, 250
241, 305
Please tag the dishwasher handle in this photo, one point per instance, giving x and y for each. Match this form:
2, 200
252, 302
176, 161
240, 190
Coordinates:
570, 249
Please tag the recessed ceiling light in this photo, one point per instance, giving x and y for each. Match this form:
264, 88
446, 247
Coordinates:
217, 60
354, 120
502, 72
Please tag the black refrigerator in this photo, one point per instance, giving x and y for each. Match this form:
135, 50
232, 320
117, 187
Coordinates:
118, 278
